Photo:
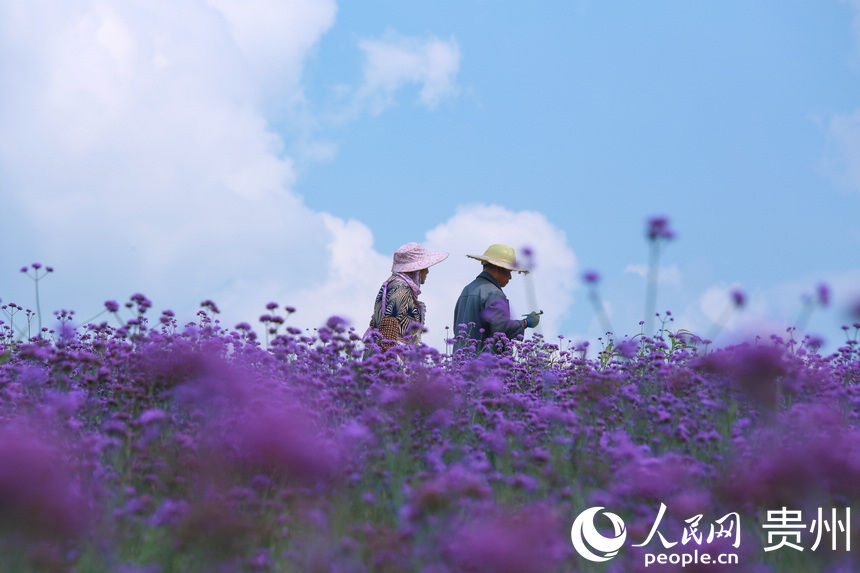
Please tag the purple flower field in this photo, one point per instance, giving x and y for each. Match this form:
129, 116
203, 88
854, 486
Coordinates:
158, 447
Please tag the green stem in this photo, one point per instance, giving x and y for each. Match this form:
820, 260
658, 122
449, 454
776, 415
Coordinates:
651, 287
38, 305
597, 303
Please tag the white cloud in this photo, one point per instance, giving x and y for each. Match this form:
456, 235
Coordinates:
715, 316
787, 300
771, 310
844, 132
275, 36
666, 275
470, 231
136, 156
346, 286
355, 270
394, 61
352, 279
716, 303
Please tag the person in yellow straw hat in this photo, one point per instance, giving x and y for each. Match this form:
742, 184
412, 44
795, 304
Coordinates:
483, 309
398, 315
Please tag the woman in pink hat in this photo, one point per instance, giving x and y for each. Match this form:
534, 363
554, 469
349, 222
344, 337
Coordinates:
398, 315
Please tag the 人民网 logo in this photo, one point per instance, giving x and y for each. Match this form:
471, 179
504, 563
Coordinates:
590, 543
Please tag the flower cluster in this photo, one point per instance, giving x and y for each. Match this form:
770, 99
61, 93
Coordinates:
199, 448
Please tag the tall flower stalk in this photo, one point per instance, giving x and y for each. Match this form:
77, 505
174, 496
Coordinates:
591, 278
820, 300
38, 274
738, 301
657, 233
531, 298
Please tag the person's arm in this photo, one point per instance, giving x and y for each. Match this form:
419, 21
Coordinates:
497, 318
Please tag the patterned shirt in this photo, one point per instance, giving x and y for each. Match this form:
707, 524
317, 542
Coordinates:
400, 319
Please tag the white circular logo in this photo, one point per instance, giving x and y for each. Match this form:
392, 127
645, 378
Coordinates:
589, 543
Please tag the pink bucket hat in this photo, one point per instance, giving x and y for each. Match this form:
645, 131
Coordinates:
413, 257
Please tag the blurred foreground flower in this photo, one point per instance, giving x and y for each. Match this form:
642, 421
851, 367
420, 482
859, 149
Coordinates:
284, 444
39, 494
810, 456
754, 370
522, 542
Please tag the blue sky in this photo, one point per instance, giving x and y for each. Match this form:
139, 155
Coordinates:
256, 151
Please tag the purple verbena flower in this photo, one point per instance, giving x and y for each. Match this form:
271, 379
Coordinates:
337, 323
658, 228
739, 298
591, 277
39, 495
627, 348
822, 292
151, 416
286, 444
523, 542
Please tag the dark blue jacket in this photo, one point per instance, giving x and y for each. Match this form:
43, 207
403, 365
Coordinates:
483, 303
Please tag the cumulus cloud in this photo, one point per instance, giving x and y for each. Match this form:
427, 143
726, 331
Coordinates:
773, 309
356, 270
844, 132
844, 129
135, 155
353, 275
275, 36
391, 62
668, 275
130, 141
716, 303
715, 316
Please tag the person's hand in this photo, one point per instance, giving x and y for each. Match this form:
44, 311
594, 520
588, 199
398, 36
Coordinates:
532, 319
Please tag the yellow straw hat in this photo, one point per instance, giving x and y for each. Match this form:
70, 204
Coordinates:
501, 256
